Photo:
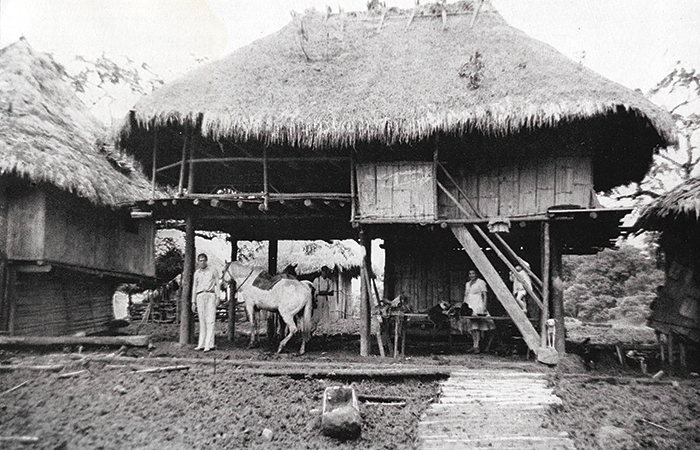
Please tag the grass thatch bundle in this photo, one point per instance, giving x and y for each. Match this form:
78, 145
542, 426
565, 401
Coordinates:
390, 77
681, 203
48, 135
308, 257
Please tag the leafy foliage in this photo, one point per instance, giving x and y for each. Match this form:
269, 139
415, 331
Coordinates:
169, 259
612, 284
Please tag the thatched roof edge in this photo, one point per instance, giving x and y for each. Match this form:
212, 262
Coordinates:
680, 203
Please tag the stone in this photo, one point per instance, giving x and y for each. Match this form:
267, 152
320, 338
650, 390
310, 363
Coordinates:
548, 356
267, 434
614, 438
340, 418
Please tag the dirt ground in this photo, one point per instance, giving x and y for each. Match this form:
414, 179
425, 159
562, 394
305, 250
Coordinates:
109, 406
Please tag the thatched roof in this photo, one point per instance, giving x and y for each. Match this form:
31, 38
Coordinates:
309, 257
681, 204
48, 135
337, 81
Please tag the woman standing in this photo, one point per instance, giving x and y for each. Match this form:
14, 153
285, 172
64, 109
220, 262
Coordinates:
475, 297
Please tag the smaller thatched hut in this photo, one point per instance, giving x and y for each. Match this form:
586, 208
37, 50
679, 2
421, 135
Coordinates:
676, 215
65, 242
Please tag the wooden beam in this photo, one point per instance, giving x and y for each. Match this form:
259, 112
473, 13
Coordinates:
503, 294
186, 322
133, 341
509, 265
181, 181
546, 267
251, 159
557, 290
459, 190
153, 171
5, 299
266, 185
232, 300
365, 309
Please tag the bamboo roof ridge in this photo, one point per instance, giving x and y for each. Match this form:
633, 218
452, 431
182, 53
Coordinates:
681, 203
394, 77
48, 135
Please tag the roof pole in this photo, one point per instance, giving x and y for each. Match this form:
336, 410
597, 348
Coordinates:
266, 189
232, 295
181, 183
365, 310
153, 172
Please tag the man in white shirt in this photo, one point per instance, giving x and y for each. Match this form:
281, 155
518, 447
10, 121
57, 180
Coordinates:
205, 292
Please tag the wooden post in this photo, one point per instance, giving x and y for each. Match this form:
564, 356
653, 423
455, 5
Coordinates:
232, 296
365, 310
4, 298
353, 189
153, 171
191, 174
266, 188
546, 258
181, 182
186, 322
272, 318
557, 291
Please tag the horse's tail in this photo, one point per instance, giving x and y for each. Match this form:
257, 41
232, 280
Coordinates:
306, 323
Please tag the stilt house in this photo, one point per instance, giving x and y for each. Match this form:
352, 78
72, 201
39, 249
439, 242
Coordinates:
459, 140
676, 310
65, 243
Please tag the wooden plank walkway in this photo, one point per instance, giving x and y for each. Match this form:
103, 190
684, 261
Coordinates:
495, 409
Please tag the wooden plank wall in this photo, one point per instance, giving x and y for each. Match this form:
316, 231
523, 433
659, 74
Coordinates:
54, 226
61, 302
340, 306
81, 234
396, 190
524, 188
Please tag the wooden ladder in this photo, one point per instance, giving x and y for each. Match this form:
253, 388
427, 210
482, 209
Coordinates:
482, 263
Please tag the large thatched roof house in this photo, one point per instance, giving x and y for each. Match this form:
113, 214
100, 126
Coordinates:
676, 214
413, 126
65, 240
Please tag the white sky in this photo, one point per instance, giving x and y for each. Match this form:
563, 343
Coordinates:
633, 42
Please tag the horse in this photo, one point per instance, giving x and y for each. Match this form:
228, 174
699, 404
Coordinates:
288, 296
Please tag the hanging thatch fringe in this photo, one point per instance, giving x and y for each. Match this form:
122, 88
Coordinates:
680, 203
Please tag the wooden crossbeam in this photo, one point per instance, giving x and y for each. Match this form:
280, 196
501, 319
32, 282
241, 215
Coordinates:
500, 254
482, 263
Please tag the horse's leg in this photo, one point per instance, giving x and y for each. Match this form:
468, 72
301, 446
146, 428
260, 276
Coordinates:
250, 308
289, 320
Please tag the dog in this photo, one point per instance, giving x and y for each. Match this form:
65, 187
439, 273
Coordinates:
551, 332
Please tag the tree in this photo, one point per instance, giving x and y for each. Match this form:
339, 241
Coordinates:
612, 284
680, 92
169, 259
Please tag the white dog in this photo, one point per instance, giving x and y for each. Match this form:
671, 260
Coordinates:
551, 331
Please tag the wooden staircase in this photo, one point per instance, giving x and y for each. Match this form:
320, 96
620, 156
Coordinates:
493, 279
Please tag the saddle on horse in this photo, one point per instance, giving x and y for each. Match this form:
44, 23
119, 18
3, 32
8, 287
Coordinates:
265, 281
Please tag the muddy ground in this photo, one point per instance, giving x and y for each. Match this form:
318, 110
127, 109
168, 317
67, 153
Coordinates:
221, 405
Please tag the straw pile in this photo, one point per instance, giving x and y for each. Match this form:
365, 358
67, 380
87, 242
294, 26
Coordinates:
391, 77
47, 134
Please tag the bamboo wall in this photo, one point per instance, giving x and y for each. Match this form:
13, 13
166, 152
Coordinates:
60, 302
339, 306
521, 188
54, 226
397, 190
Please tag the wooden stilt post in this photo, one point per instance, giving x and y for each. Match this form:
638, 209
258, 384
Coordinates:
546, 281
4, 298
232, 296
272, 318
365, 310
186, 322
557, 291
153, 171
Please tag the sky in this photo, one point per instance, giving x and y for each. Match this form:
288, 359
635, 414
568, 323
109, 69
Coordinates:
633, 42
